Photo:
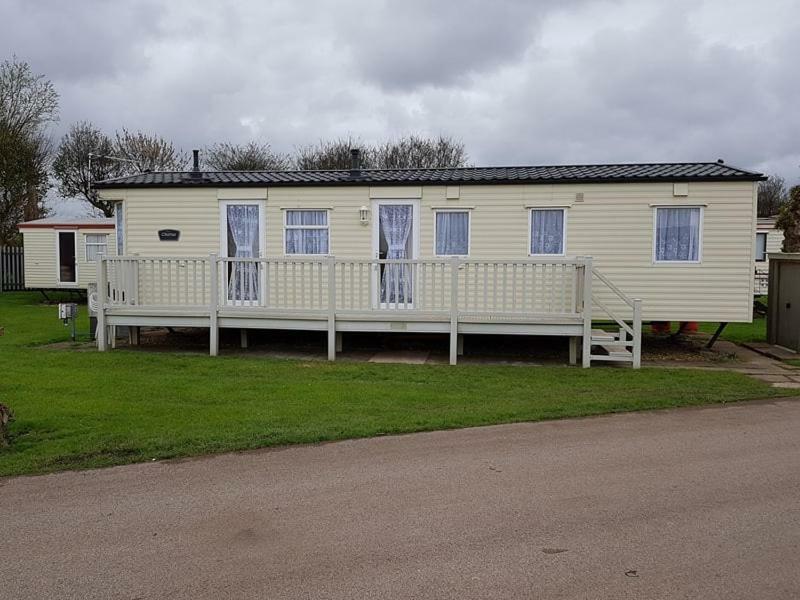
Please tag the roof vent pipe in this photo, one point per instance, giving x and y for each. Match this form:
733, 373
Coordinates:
196, 161
355, 162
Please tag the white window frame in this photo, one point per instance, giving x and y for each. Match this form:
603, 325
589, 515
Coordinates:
766, 239
563, 210
699, 235
436, 212
286, 226
262, 246
87, 244
60, 283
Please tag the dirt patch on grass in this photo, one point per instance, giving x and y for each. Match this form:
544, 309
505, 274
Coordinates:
682, 348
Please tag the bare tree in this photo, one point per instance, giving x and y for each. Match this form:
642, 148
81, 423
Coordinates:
251, 156
417, 152
24, 162
28, 103
789, 221
71, 165
148, 152
331, 155
413, 151
771, 195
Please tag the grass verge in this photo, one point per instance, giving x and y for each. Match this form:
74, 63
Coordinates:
79, 409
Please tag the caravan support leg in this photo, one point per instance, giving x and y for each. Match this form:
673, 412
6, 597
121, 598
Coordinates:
573, 350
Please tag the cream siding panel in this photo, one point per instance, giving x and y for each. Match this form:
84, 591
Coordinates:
613, 223
41, 257
87, 270
195, 213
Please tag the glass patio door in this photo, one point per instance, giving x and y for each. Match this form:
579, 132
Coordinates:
243, 238
395, 238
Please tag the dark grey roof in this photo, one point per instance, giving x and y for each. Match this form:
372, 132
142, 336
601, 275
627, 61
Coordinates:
622, 173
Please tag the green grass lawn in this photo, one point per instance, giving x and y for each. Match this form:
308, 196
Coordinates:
77, 408
740, 332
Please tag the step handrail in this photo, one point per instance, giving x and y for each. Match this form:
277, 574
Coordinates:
635, 328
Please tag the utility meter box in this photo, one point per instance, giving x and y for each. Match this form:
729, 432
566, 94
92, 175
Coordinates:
67, 311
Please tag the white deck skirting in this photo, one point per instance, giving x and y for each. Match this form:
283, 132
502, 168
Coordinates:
550, 297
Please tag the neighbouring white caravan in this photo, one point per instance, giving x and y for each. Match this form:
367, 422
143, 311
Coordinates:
528, 250
769, 240
61, 253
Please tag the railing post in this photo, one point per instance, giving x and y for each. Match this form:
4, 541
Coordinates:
453, 311
587, 311
213, 305
637, 333
134, 291
102, 291
331, 308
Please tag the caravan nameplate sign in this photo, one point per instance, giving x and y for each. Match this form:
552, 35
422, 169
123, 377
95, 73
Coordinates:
169, 235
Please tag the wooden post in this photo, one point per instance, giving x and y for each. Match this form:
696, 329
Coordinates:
637, 333
587, 311
243, 338
213, 305
331, 308
339, 341
133, 335
461, 344
573, 350
102, 290
453, 311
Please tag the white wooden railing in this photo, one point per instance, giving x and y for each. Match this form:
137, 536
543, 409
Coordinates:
499, 287
452, 289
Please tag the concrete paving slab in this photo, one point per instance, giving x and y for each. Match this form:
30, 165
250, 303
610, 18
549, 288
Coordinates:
406, 357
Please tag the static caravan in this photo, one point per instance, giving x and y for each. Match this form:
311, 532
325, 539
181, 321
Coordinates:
61, 254
543, 250
769, 240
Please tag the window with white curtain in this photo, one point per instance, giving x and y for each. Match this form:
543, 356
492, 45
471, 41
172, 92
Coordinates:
307, 232
119, 220
452, 233
678, 234
761, 247
96, 244
547, 231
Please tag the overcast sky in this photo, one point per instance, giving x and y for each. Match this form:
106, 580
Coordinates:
520, 82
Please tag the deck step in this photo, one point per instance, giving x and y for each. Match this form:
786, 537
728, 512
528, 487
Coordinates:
600, 335
617, 352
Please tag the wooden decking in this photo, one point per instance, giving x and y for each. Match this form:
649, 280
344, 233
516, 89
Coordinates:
551, 297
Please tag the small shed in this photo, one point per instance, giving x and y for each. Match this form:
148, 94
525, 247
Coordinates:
783, 314
60, 253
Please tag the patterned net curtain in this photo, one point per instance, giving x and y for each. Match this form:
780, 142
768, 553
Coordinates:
395, 222
678, 234
547, 231
243, 235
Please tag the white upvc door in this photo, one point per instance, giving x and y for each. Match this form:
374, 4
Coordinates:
395, 235
67, 257
242, 235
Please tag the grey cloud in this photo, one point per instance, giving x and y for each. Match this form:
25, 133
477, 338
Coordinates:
400, 46
520, 82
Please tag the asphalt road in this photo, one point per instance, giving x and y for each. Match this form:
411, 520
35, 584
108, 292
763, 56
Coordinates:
696, 503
